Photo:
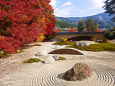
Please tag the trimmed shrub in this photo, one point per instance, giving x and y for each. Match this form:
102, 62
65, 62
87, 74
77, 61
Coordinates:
63, 39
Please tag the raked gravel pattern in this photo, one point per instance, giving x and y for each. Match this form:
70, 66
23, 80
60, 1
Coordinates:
40, 74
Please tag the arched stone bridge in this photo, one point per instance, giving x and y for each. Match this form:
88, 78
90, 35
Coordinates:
79, 35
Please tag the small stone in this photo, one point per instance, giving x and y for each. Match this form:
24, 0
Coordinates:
49, 60
18, 51
55, 57
1, 52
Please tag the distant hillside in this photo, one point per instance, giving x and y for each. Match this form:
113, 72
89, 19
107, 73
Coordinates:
63, 24
103, 19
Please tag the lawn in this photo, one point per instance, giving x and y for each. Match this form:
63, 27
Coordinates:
96, 47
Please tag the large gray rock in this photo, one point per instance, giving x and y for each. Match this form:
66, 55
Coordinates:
79, 71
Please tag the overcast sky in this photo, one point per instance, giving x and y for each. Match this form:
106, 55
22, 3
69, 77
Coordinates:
77, 8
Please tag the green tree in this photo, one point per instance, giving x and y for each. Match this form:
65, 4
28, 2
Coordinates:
112, 29
63, 24
91, 25
110, 7
80, 26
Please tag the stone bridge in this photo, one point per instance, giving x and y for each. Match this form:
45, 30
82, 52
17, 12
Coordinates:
76, 36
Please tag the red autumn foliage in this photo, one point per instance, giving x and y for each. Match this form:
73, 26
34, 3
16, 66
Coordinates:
47, 16
48, 30
72, 30
98, 30
22, 21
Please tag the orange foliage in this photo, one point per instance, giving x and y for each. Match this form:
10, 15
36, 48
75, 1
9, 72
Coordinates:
98, 30
72, 30
41, 38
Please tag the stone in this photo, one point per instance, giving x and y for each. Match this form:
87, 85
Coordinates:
82, 43
49, 60
79, 71
55, 57
18, 51
1, 52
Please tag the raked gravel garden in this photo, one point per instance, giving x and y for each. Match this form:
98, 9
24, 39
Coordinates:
15, 71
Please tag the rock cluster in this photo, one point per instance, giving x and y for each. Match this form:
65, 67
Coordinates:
82, 43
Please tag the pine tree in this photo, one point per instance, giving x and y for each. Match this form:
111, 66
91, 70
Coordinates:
80, 26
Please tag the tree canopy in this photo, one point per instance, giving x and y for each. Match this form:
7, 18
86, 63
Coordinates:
23, 21
91, 25
110, 8
63, 24
80, 26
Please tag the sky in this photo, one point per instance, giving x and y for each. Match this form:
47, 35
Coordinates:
77, 8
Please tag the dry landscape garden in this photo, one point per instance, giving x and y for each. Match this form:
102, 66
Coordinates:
36, 49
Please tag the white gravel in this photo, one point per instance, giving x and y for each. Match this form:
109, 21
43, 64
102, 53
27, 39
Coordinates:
14, 73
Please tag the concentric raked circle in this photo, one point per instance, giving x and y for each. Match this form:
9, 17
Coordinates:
39, 74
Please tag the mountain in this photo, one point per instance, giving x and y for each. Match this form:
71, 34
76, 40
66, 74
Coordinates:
103, 19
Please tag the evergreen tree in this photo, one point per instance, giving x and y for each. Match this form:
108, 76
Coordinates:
91, 25
80, 26
110, 7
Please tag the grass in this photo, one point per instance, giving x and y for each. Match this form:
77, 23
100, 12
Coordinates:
36, 45
32, 60
97, 47
61, 58
3, 54
64, 43
26, 46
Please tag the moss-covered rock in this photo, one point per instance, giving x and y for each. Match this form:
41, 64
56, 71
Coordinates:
79, 71
32, 60
61, 58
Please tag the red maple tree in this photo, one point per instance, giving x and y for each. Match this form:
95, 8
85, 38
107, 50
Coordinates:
22, 21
